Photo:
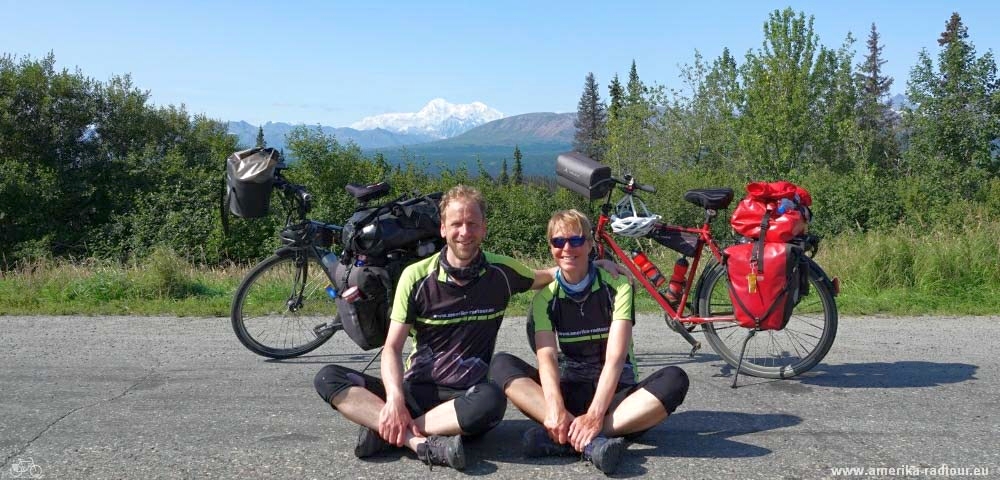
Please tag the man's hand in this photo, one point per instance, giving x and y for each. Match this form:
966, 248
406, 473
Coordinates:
393, 422
557, 422
613, 268
583, 429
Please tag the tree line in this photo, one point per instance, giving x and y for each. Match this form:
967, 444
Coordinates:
798, 110
93, 169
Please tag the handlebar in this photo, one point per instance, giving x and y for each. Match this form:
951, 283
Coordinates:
298, 192
629, 185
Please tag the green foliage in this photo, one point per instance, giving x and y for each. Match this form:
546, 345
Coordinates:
955, 119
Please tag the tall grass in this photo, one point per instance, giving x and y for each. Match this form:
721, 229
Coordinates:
903, 271
163, 283
906, 271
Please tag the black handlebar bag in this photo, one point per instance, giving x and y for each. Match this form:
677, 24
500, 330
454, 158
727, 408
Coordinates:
249, 179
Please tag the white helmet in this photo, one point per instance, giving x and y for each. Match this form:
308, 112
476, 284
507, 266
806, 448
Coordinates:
629, 221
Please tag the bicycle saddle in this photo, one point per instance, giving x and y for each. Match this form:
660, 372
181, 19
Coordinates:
364, 193
710, 198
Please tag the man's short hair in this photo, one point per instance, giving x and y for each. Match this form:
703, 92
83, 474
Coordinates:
570, 220
466, 194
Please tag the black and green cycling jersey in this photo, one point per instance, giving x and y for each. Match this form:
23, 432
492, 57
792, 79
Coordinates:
454, 327
582, 325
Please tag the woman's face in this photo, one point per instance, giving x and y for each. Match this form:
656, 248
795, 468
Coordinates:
572, 259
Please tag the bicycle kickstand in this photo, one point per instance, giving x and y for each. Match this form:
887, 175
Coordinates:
370, 362
743, 351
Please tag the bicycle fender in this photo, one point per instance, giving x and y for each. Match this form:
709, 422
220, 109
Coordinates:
700, 281
823, 277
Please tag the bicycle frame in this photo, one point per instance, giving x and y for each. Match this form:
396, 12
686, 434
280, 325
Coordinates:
605, 240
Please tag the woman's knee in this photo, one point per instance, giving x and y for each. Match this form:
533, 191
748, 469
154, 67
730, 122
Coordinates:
669, 385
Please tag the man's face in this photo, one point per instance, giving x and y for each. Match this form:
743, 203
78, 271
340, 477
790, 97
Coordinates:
463, 228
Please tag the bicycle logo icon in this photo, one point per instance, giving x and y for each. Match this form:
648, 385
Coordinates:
25, 468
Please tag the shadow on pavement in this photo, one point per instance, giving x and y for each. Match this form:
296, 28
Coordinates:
903, 374
688, 434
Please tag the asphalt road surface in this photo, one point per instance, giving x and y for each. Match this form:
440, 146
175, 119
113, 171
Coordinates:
121, 397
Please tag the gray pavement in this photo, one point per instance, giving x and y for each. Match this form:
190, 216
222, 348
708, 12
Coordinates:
121, 397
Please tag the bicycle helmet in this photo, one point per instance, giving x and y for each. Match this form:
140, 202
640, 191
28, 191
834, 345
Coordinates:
629, 221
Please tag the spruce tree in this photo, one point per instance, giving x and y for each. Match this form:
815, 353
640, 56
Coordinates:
635, 87
590, 121
617, 94
876, 117
504, 178
518, 170
260, 137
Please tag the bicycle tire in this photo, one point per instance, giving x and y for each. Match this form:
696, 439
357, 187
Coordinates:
778, 354
269, 315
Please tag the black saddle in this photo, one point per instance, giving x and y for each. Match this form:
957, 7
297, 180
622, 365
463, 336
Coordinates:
710, 198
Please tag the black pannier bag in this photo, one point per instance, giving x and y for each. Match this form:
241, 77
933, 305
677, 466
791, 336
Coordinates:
379, 242
364, 312
249, 178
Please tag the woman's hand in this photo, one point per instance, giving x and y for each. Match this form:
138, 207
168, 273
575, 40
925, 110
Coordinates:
583, 429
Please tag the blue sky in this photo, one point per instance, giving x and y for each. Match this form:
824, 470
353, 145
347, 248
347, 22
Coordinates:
335, 62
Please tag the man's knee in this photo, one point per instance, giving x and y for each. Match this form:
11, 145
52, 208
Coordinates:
480, 408
333, 379
506, 367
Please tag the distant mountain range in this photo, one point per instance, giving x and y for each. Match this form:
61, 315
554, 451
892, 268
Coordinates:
443, 135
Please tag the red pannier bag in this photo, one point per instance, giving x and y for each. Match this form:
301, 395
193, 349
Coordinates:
764, 282
763, 197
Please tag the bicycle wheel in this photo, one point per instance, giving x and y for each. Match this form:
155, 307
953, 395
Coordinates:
785, 353
281, 310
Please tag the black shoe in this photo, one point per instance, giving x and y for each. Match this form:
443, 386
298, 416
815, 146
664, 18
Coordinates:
369, 443
537, 443
605, 453
442, 450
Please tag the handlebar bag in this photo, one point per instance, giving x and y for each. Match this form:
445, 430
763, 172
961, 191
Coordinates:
764, 279
249, 178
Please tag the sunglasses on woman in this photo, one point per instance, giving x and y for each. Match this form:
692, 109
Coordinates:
574, 241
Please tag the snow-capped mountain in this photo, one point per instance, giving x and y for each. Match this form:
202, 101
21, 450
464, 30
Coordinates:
438, 119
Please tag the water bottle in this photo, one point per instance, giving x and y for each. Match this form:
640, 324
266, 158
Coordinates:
330, 263
648, 269
785, 205
675, 289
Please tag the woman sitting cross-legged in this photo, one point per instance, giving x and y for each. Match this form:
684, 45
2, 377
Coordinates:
592, 398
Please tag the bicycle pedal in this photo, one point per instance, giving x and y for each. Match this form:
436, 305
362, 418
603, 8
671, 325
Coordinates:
694, 348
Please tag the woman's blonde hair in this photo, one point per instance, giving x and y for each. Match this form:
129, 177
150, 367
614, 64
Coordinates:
571, 220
